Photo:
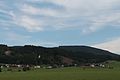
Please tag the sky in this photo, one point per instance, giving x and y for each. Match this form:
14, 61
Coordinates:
51, 23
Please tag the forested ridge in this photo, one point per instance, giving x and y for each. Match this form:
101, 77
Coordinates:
66, 55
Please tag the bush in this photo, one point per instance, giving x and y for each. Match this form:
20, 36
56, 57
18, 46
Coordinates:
26, 68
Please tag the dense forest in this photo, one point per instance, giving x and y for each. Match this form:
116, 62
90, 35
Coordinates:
66, 55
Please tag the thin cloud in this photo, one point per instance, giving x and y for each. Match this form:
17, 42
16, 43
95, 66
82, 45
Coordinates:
29, 23
85, 15
111, 45
16, 37
29, 9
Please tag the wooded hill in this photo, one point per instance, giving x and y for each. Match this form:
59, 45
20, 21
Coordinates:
66, 55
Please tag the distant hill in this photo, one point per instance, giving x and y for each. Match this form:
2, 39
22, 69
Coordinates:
66, 55
90, 54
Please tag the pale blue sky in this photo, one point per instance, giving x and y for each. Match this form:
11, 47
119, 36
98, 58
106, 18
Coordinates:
61, 22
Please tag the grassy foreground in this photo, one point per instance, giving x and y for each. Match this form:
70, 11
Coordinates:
64, 74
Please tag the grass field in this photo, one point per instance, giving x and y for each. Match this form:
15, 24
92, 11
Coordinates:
65, 74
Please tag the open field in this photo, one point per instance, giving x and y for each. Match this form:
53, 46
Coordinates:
74, 73
63, 74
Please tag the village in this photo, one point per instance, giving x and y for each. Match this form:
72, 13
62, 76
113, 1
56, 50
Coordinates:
19, 67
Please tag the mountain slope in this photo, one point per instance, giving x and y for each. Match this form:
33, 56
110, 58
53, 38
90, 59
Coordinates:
90, 54
58, 55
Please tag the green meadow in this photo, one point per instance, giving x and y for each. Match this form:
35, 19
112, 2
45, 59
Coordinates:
70, 73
